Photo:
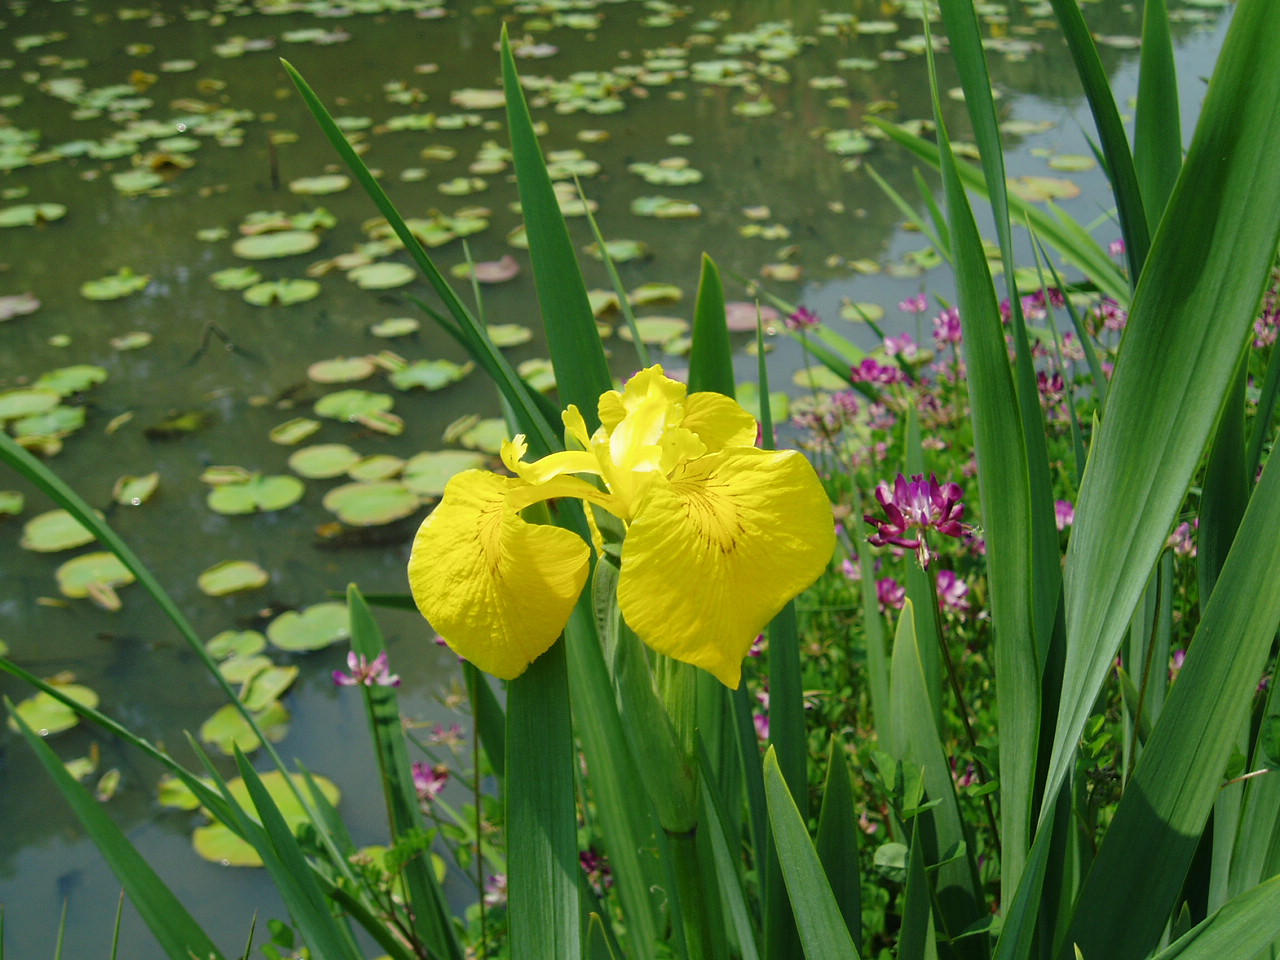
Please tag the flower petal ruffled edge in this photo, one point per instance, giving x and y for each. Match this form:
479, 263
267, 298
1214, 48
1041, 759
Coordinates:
497, 589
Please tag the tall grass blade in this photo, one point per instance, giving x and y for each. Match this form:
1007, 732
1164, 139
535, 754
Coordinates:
1244, 927
1111, 133
1005, 491
1190, 318
1224, 492
582, 374
1157, 123
917, 940
1135, 880
821, 928
176, 930
729, 879
489, 717
711, 357
837, 840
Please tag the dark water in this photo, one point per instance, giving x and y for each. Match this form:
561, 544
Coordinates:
825, 211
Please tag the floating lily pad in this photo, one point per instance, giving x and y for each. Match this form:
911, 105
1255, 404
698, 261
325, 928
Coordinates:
94, 575
665, 208
427, 473
381, 276
232, 576
367, 504
120, 284
473, 99
134, 491
862, 312
656, 330
293, 431
218, 844
134, 340
12, 503
267, 687
462, 186
47, 716
235, 278
509, 334
490, 271
278, 243
264, 493
748, 396
819, 378
314, 186
351, 405
133, 182
176, 795
620, 251
323, 460
1071, 162
18, 305
487, 435
227, 729
283, 292
846, 142
395, 327
243, 669
30, 214
313, 628
1033, 189
655, 293
341, 370
54, 424
430, 374
236, 643
380, 466
54, 531
71, 380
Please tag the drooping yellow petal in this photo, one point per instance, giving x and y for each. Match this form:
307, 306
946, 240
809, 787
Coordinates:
499, 590
650, 384
715, 552
719, 421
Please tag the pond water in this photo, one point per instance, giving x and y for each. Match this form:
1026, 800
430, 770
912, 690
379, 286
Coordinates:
162, 127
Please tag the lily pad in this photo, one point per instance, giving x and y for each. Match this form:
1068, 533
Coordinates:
227, 729
218, 844
268, 686
819, 378
71, 380
381, 276
748, 395
54, 424
283, 292
235, 278
134, 340
232, 576
54, 531
12, 503
487, 435
430, 374
323, 460
243, 669
656, 330
314, 186
489, 271
1033, 189
380, 466
473, 99
47, 716
259, 492
18, 305
620, 251
509, 334
341, 370
30, 214
655, 293
427, 473
235, 643
664, 208
395, 327
134, 491
313, 628
278, 243
367, 504
293, 431
120, 284
1071, 162
861, 312
94, 575
137, 181
351, 405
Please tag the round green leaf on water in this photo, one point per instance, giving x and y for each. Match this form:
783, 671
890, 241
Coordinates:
232, 576
487, 435
29, 214
861, 312
243, 669
94, 575
381, 276
819, 378
56, 423
71, 380
134, 340
235, 643
47, 716
350, 405
278, 243
315, 186
256, 493
1033, 189
176, 795
313, 628
53, 531
654, 293
656, 330
218, 844
430, 374
135, 491
380, 466
427, 473
26, 402
283, 292
509, 334
227, 729
18, 305
12, 503
323, 460
235, 278
268, 686
119, 284
368, 504
293, 431
395, 327
340, 370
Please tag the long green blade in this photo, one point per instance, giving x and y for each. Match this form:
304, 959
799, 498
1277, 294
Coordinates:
576, 352
821, 928
1244, 927
1191, 316
176, 930
711, 358
837, 840
1157, 124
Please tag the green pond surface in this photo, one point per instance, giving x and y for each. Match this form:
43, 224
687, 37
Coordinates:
156, 139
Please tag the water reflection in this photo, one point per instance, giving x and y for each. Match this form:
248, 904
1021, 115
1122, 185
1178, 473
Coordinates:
828, 211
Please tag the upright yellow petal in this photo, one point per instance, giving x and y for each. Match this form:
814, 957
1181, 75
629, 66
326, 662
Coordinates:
719, 421
497, 589
715, 552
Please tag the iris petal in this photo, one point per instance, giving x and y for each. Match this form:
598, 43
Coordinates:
718, 421
497, 589
715, 552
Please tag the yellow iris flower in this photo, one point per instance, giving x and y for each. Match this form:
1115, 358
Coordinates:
719, 534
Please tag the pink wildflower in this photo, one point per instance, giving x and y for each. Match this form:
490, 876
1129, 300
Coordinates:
913, 507
366, 673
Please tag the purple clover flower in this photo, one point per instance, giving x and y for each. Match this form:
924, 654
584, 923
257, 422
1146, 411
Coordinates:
365, 673
917, 304
946, 327
429, 780
802, 319
917, 505
869, 371
953, 593
1064, 514
890, 594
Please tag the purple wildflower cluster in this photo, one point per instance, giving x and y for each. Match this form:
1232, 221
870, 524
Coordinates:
869, 371
914, 506
365, 673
